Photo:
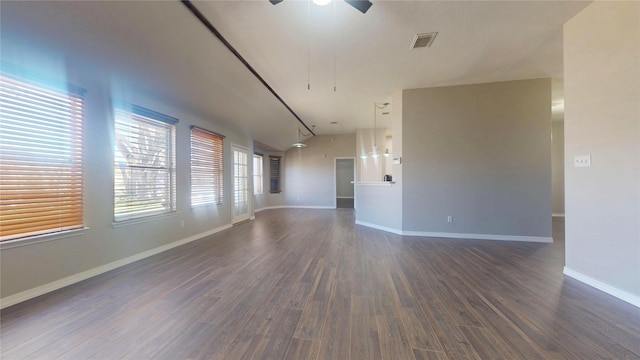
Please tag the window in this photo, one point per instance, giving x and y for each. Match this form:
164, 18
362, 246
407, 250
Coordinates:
144, 163
41, 186
207, 181
274, 165
257, 174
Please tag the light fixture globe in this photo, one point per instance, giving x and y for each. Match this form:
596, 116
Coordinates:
298, 145
321, 2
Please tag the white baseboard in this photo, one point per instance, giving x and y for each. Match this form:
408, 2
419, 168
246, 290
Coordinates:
557, 215
615, 292
379, 227
294, 207
43, 289
539, 239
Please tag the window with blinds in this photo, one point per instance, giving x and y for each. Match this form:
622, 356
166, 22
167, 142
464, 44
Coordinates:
274, 169
257, 174
144, 163
41, 150
207, 180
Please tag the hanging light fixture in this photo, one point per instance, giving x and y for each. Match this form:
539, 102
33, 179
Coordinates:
299, 144
374, 152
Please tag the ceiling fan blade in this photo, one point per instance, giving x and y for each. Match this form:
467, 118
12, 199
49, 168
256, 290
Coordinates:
275, 2
361, 5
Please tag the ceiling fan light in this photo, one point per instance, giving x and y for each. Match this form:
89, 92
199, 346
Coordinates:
321, 2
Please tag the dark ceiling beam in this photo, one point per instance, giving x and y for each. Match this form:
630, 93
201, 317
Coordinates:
217, 34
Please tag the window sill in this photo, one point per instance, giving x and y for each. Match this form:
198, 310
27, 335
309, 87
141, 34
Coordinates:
124, 223
32, 240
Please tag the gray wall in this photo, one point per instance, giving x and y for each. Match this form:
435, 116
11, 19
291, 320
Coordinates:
557, 167
602, 119
309, 172
345, 169
26, 267
480, 153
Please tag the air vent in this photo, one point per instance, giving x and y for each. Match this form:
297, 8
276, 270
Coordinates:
423, 40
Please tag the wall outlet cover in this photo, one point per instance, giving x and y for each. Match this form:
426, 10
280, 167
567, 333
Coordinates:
582, 161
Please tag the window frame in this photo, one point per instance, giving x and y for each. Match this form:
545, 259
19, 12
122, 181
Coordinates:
136, 117
258, 174
42, 161
275, 178
202, 164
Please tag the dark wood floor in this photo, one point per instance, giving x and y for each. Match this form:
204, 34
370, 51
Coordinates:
305, 284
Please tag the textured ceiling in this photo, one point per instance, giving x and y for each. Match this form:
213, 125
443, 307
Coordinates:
163, 48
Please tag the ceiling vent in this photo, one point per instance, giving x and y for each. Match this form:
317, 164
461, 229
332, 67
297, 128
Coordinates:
423, 40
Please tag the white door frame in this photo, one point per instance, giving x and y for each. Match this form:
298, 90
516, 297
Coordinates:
234, 218
335, 185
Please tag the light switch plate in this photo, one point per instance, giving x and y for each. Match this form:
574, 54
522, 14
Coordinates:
582, 161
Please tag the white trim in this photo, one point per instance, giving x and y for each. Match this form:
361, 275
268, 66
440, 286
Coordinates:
143, 219
539, 239
294, 207
379, 227
557, 215
373, 183
43, 289
37, 239
345, 197
615, 292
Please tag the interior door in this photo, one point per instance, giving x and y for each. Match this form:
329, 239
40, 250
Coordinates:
240, 183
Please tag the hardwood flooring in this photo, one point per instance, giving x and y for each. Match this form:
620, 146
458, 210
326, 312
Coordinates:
309, 284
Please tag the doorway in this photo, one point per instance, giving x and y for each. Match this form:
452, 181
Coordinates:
240, 184
344, 187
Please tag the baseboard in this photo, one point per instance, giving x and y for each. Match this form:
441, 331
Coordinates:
557, 215
615, 292
379, 227
344, 197
58, 284
538, 239
294, 207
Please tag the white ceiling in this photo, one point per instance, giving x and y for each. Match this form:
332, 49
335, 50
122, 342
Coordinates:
164, 51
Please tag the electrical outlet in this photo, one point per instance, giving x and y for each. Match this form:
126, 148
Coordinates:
582, 161
450, 218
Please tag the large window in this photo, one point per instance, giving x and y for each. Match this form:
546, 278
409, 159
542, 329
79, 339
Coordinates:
274, 165
144, 163
257, 174
40, 158
207, 180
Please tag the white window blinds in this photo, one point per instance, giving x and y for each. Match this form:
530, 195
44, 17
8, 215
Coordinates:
41, 148
207, 180
257, 174
144, 164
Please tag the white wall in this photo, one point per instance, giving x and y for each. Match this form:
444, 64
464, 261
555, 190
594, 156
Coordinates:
309, 172
557, 167
602, 119
482, 154
371, 168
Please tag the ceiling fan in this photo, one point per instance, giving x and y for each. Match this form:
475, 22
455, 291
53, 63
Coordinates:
360, 5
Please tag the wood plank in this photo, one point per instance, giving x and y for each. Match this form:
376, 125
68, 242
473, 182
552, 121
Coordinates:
304, 283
